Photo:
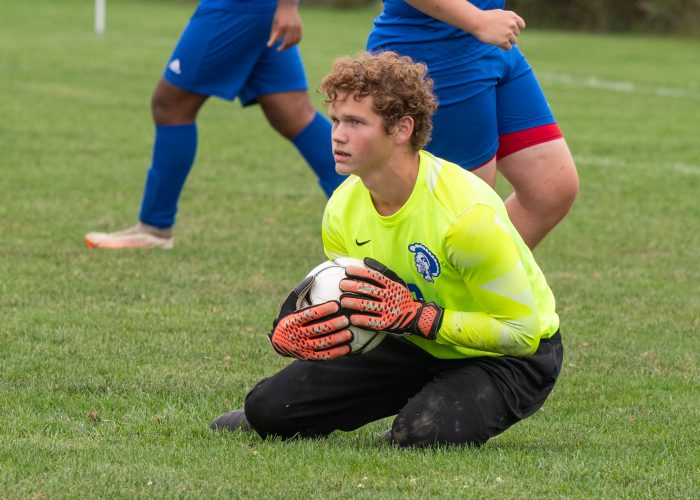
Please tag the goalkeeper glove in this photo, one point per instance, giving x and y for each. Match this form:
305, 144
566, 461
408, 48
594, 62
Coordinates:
386, 303
316, 332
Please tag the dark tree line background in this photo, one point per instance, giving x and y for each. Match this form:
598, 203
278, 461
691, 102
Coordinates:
657, 16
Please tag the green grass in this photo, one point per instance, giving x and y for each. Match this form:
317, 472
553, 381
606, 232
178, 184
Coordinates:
112, 364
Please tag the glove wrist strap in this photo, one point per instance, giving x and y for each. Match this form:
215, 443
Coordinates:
428, 320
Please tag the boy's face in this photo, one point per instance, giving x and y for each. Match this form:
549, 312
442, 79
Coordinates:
360, 143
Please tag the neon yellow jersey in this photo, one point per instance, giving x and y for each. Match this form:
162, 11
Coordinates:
452, 243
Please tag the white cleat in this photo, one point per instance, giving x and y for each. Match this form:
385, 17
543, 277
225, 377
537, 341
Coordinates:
138, 236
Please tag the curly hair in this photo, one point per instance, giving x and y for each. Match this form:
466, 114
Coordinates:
398, 86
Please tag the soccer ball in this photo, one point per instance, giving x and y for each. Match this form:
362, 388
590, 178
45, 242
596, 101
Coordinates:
327, 287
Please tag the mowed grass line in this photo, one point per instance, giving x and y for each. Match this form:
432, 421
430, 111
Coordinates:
113, 364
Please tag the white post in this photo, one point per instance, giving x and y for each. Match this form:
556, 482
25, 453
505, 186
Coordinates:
100, 12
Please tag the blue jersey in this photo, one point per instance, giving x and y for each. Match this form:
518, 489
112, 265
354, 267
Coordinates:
445, 45
241, 5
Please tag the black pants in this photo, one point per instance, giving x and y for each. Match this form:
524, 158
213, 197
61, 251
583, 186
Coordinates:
464, 401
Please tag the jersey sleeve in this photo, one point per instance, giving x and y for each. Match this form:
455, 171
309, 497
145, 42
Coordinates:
332, 241
481, 247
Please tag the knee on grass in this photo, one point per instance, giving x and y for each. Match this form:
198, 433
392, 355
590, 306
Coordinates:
270, 417
424, 430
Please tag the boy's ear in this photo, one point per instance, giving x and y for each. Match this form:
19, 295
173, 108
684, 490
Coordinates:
403, 130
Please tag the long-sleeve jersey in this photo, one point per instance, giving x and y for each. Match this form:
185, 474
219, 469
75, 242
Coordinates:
452, 243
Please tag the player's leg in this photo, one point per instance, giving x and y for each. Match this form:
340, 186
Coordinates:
545, 184
172, 105
174, 112
214, 56
293, 116
532, 156
288, 112
315, 398
174, 149
278, 83
471, 401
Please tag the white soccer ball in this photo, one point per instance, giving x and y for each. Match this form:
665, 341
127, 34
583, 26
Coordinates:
327, 287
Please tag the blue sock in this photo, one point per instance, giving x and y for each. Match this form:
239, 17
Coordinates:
174, 150
314, 144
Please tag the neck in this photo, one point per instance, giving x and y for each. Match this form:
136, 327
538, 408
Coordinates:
391, 186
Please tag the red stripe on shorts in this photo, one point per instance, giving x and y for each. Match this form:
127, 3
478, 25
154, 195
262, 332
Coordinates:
517, 141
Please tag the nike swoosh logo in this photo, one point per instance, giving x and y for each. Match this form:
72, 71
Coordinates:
360, 243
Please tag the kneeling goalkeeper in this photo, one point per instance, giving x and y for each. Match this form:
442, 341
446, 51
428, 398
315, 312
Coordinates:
473, 342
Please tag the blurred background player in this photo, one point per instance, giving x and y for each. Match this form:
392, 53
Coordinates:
473, 343
230, 48
493, 113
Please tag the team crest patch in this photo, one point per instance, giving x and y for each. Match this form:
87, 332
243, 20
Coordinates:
426, 263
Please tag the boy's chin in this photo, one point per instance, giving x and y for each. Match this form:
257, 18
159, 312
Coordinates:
344, 169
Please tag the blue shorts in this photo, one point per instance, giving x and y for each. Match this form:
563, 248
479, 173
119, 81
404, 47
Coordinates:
224, 53
481, 100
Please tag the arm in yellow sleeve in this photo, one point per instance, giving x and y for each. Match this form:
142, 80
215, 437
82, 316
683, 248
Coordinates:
482, 247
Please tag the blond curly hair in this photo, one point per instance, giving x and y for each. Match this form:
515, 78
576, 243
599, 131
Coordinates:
398, 86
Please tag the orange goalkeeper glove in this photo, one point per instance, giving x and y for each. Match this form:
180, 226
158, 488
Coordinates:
385, 303
315, 332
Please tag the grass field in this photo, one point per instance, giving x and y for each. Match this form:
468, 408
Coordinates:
112, 364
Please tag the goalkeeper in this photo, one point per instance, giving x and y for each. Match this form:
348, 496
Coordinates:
473, 342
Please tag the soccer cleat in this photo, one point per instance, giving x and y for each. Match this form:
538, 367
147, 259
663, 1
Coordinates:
138, 236
231, 421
